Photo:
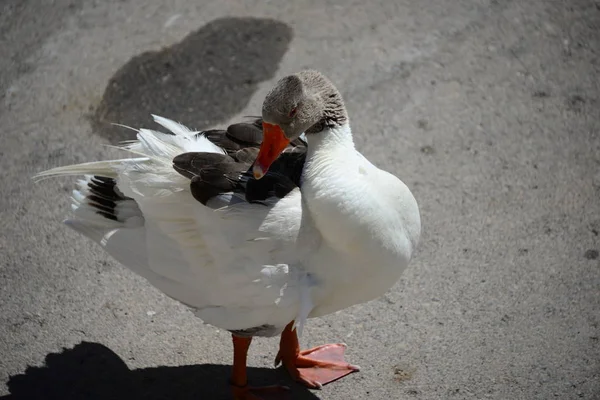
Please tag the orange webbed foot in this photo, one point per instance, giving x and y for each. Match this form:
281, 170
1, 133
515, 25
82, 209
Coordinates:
314, 367
320, 365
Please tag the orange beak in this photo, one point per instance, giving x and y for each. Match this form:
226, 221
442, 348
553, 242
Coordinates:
274, 142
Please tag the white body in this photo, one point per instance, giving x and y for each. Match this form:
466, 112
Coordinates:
343, 239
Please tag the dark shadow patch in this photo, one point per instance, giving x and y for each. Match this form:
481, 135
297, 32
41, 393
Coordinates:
591, 254
540, 94
201, 81
575, 103
91, 371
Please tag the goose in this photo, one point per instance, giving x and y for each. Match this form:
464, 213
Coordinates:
258, 227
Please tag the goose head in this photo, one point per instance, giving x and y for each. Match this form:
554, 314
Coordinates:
305, 102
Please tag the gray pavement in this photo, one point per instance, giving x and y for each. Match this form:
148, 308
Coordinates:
489, 110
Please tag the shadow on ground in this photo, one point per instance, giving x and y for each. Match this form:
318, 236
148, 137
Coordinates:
91, 371
203, 80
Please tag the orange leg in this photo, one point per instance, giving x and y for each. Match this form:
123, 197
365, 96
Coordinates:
239, 378
314, 367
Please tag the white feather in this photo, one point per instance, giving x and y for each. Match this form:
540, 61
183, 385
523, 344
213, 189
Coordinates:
109, 169
193, 142
176, 128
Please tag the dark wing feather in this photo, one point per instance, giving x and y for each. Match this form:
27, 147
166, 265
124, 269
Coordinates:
237, 136
104, 196
214, 174
193, 164
283, 176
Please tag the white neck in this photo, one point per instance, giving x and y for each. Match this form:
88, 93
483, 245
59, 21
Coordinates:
328, 141
329, 151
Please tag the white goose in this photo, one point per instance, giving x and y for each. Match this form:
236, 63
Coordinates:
316, 229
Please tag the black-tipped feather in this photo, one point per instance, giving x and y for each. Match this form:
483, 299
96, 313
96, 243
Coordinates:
104, 196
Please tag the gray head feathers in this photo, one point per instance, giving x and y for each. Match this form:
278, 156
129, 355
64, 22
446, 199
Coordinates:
304, 102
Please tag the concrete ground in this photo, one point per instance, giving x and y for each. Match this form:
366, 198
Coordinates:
489, 110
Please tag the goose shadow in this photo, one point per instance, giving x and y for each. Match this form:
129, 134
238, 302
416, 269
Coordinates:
201, 81
91, 371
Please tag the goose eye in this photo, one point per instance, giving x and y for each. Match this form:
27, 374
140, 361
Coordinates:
292, 112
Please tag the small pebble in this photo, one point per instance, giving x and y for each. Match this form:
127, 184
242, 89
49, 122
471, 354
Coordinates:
591, 254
